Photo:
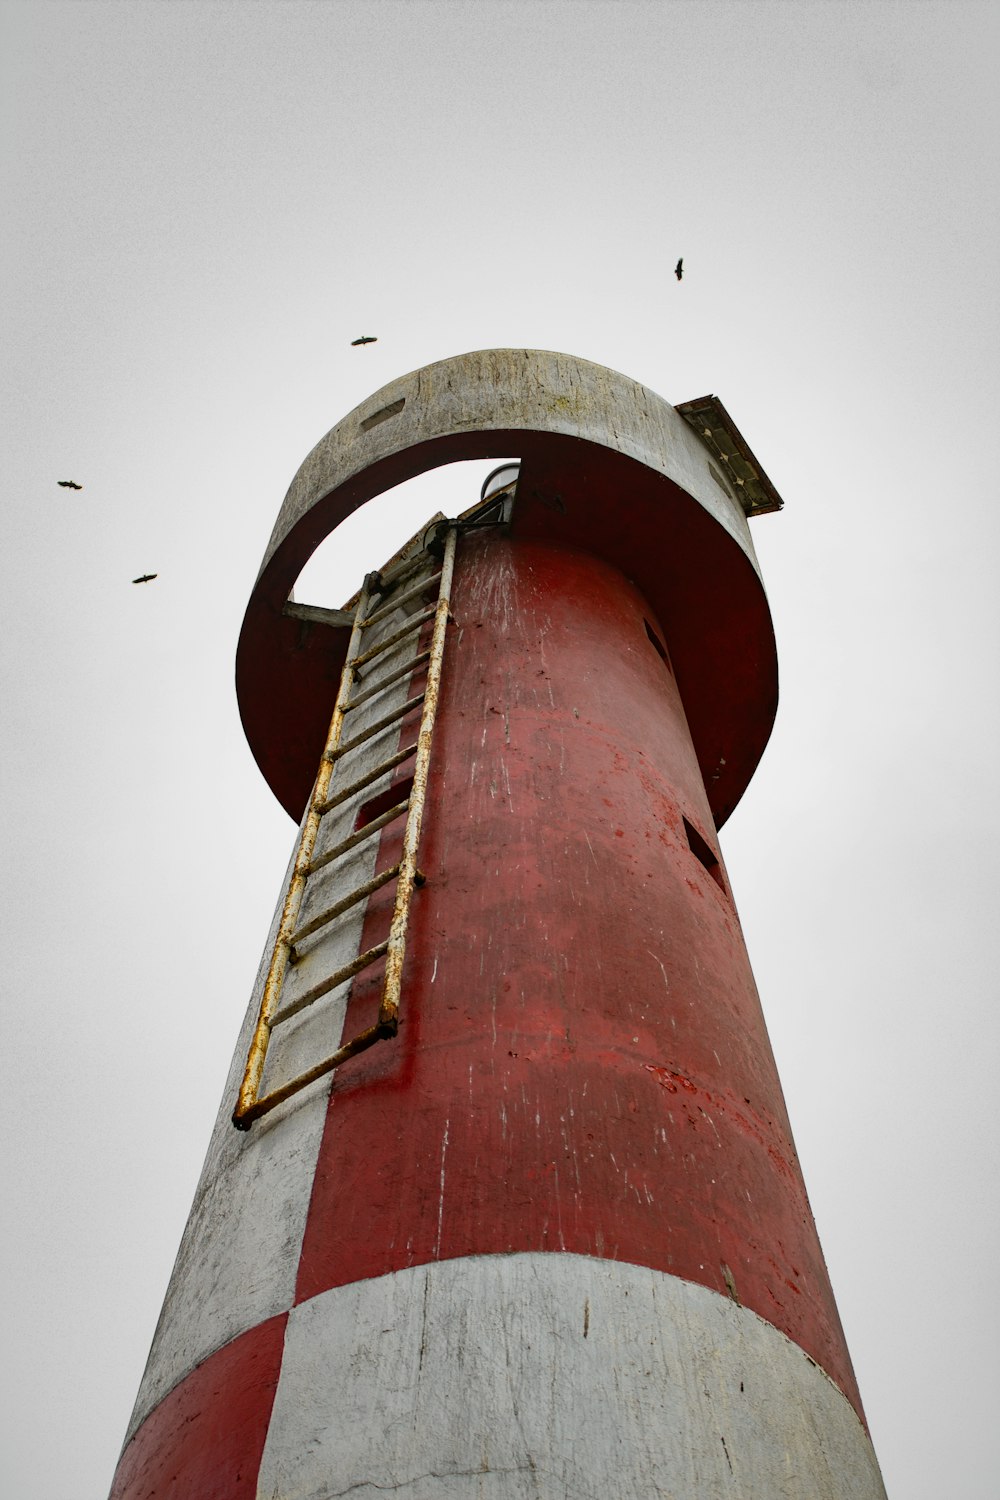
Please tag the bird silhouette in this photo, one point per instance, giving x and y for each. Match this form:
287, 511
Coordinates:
366, 338
68, 484
145, 578
679, 268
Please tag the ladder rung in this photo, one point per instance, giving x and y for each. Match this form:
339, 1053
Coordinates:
365, 1039
384, 682
326, 985
385, 610
367, 779
358, 837
391, 578
344, 904
346, 746
399, 635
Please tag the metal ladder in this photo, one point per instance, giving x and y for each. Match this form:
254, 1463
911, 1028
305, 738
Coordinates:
382, 596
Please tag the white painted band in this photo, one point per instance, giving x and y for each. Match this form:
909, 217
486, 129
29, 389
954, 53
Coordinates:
239, 1255
554, 1377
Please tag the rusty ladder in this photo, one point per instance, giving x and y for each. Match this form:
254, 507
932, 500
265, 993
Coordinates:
405, 585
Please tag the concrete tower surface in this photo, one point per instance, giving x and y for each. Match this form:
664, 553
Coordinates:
513, 1208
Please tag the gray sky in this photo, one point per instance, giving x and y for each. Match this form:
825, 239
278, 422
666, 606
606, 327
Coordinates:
205, 204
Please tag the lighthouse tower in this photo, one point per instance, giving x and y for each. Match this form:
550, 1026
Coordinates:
502, 1199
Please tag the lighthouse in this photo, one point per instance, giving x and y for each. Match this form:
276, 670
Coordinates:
502, 1199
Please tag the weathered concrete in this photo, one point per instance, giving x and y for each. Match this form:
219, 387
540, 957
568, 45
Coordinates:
453, 409
238, 1259
607, 466
552, 1377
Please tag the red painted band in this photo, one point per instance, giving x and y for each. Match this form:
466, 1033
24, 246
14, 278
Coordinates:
205, 1439
582, 1064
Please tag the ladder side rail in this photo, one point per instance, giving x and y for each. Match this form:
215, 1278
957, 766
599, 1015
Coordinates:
296, 886
335, 753
331, 859
264, 1103
389, 1009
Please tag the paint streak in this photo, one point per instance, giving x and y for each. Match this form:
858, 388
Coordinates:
444, 1152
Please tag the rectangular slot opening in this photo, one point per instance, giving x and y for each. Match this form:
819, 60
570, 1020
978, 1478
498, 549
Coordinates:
367, 423
658, 646
376, 806
704, 853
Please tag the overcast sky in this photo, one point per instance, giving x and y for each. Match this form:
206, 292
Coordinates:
204, 204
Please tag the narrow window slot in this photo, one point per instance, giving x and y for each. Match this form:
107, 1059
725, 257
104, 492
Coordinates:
376, 806
394, 407
704, 853
658, 646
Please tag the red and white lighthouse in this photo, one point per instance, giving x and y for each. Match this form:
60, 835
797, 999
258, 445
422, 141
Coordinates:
513, 1208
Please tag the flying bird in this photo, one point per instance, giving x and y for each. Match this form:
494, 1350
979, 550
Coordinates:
146, 578
366, 338
68, 484
679, 268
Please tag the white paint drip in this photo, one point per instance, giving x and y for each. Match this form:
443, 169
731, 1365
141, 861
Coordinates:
444, 1150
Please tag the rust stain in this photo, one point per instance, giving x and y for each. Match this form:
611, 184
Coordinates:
730, 1281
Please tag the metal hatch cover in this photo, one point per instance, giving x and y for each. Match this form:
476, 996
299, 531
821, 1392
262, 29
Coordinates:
709, 419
